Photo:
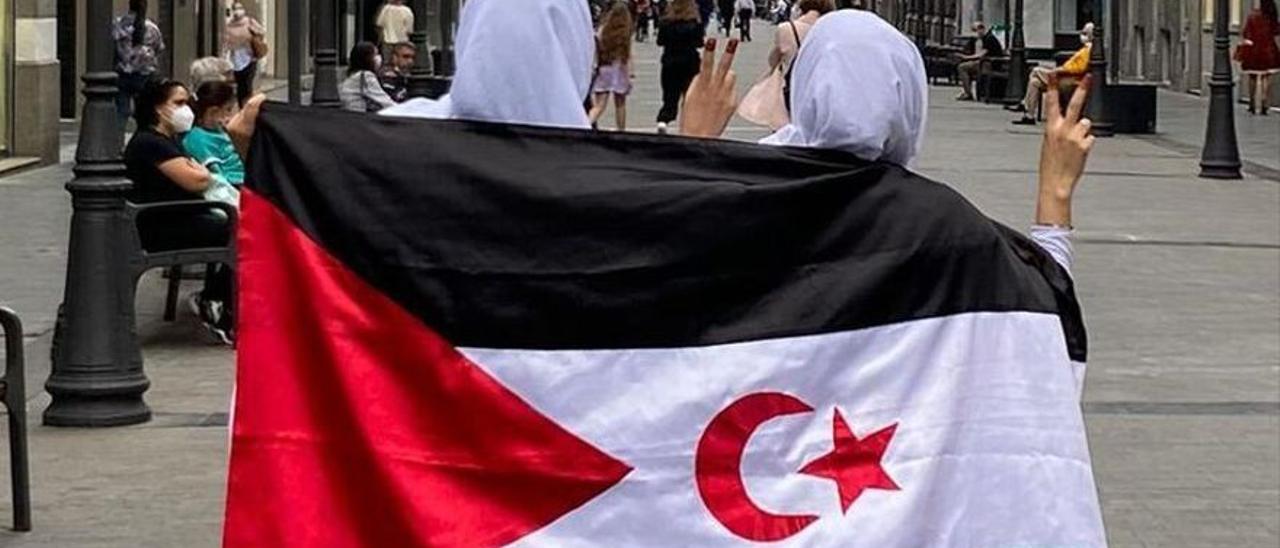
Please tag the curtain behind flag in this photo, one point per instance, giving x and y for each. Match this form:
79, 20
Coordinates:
466, 334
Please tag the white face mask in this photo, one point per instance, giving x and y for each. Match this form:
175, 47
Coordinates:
182, 119
239, 13
377, 62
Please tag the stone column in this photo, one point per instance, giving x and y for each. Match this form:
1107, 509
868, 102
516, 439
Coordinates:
36, 79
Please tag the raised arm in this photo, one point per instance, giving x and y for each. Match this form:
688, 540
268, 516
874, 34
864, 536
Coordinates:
1067, 143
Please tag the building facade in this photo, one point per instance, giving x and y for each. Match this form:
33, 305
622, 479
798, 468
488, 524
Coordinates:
28, 80
1169, 42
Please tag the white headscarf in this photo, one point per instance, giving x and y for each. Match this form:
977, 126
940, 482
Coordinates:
523, 61
858, 85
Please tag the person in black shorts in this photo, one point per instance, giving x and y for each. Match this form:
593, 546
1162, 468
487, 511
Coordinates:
161, 171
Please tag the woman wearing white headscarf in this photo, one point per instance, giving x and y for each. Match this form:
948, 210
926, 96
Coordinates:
526, 64
859, 86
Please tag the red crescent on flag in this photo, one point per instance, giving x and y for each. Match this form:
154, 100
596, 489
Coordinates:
717, 467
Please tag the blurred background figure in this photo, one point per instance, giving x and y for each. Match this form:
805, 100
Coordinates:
211, 69
1259, 55
139, 44
244, 43
680, 35
613, 62
395, 22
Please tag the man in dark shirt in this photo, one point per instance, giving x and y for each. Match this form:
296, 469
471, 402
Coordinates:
988, 47
394, 75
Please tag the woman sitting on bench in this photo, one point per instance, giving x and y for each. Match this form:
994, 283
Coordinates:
161, 171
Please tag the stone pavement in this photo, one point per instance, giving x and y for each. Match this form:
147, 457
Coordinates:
1179, 277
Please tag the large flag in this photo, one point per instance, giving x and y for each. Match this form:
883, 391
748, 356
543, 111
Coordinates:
466, 334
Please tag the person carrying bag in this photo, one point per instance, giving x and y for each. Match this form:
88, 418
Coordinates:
765, 104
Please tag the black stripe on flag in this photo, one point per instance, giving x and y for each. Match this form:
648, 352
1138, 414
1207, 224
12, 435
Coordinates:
504, 236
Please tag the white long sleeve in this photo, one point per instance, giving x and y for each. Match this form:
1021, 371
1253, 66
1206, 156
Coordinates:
1057, 242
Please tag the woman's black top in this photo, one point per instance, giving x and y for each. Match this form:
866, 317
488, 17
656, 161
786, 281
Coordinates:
142, 158
681, 40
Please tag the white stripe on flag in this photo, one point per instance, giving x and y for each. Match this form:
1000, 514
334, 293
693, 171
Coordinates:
989, 450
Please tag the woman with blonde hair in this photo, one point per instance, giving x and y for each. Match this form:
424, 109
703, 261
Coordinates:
680, 35
613, 62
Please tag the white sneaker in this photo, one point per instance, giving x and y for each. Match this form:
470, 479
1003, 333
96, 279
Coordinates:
662, 128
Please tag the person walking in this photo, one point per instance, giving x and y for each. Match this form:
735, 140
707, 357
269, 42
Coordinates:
680, 35
643, 12
394, 22
244, 43
725, 9
746, 10
1259, 55
139, 44
613, 59
705, 9
361, 91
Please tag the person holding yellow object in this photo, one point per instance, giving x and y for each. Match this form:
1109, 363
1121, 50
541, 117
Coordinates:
1075, 67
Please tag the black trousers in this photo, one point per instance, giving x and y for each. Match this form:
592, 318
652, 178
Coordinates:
744, 24
168, 232
244, 82
675, 81
726, 17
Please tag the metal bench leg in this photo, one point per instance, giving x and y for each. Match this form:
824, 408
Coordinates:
171, 300
16, 402
18, 466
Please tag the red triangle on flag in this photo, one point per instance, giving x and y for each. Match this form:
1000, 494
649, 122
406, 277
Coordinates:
357, 425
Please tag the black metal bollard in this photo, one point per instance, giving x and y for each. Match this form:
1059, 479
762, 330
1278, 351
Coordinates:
324, 92
1220, 158
1096, 110
422, 63
1016, 88
97, 377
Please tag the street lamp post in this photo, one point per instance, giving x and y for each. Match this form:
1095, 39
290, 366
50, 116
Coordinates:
296, 48
448, 15
324, 91
918, 23
420, 76
1097, 107
1016, 88
1221, 156
96, 377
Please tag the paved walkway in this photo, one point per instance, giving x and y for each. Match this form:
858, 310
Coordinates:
1180, 279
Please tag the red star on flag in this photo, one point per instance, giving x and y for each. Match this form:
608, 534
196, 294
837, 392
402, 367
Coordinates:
854, 464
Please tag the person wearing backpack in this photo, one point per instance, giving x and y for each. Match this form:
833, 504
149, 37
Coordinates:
139, 44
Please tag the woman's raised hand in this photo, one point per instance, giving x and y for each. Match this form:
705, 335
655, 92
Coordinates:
1067, 143
712, 97
241, 126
